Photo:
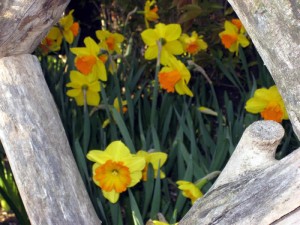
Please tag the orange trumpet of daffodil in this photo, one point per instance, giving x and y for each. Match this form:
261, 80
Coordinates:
175, 76
115, 169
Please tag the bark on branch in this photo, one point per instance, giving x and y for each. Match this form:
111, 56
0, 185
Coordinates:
31, 131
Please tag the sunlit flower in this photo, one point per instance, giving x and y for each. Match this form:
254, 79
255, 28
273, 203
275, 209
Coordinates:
189, 190
110, 41
193, 44
116, 105
157, 160
89, 59
68, 27
168, 36
84, 87
115, 169
52, 41
150, 11
234, 35
269, 103
175, 76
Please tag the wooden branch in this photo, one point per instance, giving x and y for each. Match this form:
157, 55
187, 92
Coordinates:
31, 130
37, 148
274, 29
24, 23
253, 188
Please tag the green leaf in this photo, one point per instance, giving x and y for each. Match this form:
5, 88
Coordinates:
136, 215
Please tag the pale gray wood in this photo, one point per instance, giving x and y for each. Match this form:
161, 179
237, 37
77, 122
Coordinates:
252, 193
274, 28
37, 148
24, 23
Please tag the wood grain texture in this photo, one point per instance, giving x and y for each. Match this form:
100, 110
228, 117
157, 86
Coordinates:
37, 147
251, 194
24, 23
274, 28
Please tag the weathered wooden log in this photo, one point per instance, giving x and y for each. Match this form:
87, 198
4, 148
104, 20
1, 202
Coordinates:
253, 188
274, 28
31, 130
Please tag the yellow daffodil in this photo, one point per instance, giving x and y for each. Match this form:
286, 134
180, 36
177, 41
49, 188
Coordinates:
84, 86
193, 44
150, 11
110, 41
116, 105
234, 35
269, 103
175, 76
89, 59
157, 160
168, 35
69, 29
189, 190
115, 169
52, 41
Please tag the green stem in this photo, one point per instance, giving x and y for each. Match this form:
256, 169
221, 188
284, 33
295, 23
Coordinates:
155, 90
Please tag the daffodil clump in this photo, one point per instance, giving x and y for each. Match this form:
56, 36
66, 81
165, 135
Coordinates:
234, 35
269, 103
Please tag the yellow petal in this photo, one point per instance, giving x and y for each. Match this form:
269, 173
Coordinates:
111, 196
174, 47
68, 35
74, 92
157, 159
118, 150
172, 32
79, 100
92, 98
254, 105
150, 37
98, 156
151, 52
181, 88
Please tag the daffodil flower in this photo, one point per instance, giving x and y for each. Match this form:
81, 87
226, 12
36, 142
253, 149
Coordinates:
115, 169
234, 35
68, 27
168, 36
157, 222
150, 11
193, 44
89, 59
84, 86
52, 42
189, 190
110, 41
269, 103
175, 76
157, 160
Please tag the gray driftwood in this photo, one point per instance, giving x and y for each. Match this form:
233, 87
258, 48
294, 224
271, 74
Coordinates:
30, 127
254, 188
